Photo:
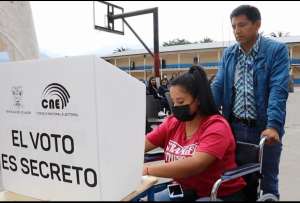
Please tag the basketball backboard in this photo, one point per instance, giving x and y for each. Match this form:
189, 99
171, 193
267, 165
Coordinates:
102, 10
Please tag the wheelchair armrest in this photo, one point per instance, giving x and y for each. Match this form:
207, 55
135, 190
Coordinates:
153, 157
241, 171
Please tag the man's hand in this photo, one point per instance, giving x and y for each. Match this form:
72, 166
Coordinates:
272, 136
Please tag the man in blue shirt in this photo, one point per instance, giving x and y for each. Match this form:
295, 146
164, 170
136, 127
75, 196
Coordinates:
251, 87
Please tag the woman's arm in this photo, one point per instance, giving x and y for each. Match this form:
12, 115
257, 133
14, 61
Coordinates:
157, 137
183, 168
148, 145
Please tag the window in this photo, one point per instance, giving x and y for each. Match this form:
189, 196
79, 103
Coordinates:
163, 63
195, 60
132, 65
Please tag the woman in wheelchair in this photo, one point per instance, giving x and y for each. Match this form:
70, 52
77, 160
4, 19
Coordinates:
198, 142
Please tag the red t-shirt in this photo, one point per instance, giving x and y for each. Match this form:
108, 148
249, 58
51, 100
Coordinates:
214, 136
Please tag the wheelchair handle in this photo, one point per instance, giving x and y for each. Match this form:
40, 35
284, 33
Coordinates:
260, 159
261, 150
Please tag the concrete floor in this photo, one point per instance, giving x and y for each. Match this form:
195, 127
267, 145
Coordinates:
289, 179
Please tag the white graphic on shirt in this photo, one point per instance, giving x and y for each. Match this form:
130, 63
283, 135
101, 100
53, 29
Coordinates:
175, 151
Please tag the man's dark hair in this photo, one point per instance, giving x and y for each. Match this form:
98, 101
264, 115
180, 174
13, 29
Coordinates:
196, 83
251, 12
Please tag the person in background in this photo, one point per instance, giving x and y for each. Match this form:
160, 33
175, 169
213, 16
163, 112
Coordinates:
163, 88
152, 88
174, 75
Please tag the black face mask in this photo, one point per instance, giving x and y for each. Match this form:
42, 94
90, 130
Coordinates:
183, 113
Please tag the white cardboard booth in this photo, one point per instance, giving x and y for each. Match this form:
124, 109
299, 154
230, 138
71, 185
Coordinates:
71, 129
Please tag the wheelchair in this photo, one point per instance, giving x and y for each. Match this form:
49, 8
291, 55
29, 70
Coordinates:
249, 160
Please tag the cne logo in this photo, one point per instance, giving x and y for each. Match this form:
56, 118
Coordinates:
55, 97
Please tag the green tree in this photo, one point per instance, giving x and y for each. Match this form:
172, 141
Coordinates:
176, 42
206, 40
279, 34
120, 49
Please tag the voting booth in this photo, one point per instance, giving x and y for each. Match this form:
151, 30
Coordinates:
71, 129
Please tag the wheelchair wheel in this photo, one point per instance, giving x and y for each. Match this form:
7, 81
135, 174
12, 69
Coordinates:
268, 198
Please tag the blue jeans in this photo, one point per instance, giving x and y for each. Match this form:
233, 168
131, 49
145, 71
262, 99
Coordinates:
271, 157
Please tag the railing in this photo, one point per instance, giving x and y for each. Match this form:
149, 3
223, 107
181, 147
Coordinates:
169, 66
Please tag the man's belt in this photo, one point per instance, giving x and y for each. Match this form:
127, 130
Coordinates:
248, 122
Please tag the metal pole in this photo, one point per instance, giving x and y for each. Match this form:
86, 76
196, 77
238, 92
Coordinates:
156, 46
134, 13
155, 35
132, 30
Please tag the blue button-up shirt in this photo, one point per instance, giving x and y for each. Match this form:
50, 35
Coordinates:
244, 102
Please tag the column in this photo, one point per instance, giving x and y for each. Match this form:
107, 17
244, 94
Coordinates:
17, 30
178, 60
145, 67
129, 65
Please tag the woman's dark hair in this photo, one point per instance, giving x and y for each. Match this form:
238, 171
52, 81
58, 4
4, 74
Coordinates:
251, 12
196, 83
149, 81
